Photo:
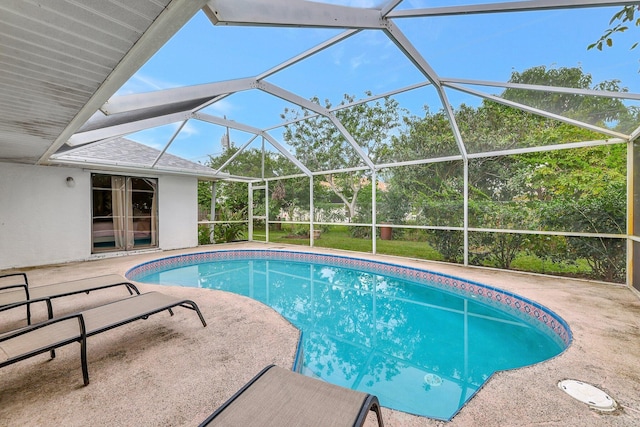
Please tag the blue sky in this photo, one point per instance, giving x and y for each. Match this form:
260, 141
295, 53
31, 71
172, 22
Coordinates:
483, 47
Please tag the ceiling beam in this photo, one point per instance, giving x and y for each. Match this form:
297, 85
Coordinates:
539, 112
226, 123
250, 129
288, 13
126, 128
541, 88
516, 6
201, 93
320, 47
403, 43
304, 103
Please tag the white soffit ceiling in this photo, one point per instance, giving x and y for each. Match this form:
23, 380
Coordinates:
61, 59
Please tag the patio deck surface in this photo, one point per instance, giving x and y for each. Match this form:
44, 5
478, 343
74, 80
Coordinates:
170, 371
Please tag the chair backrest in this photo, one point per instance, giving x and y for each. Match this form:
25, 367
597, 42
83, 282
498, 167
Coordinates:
282, 398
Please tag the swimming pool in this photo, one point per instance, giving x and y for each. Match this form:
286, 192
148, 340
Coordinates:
423, 342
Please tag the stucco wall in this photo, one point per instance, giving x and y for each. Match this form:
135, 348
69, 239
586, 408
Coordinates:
178, 212
44, 221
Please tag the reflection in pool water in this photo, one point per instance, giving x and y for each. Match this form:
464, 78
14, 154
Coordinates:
420, 349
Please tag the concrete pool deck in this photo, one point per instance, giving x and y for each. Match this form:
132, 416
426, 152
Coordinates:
170, 371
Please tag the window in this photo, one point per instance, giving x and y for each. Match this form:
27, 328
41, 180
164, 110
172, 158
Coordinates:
125, 213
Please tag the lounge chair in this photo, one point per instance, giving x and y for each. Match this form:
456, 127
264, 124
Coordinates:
15, 288
278, 397
40, 338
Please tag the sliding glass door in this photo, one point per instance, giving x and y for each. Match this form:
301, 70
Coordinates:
125, 213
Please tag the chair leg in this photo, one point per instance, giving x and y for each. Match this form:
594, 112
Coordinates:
83, 359
132, 289
371, 403
376, 408
193, 306
83, 349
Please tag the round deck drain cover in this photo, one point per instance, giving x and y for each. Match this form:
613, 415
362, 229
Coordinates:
588, 394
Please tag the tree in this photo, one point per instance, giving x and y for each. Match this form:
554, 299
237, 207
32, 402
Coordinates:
511, 192
624, 15
601, 213
575, 174
319, 145
581, 107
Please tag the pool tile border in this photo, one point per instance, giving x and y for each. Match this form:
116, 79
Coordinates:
512, 303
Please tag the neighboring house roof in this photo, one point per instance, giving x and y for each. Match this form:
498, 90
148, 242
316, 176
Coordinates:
125, 153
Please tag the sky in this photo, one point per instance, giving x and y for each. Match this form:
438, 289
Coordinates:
482, 47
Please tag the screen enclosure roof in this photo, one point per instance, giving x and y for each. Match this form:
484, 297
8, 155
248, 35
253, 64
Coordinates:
187, 77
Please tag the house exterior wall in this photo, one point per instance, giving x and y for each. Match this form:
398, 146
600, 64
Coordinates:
178, 212
44, 221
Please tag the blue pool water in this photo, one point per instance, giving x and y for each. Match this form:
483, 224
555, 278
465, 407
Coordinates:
422, 346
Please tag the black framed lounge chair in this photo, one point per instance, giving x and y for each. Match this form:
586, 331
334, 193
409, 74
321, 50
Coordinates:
277, 397
31, 340
15, 288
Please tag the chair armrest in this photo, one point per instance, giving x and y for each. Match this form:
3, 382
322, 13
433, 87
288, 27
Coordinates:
66, 337
25, 330
28, 302
24, 277
23, 286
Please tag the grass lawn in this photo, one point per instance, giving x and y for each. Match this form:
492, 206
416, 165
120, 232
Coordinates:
534, 264
339, 237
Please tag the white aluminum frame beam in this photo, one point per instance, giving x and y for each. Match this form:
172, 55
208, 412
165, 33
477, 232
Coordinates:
341, 170
126, 128
113, 165
402, 42
516, 6
287, 63
253, 130
357, 102
290, 13
398, 37
168, 144
510, 152
286, 153
309, 52
453, 158
387, 8
541, 88
539, 112
226, 123
205, 92
237, 153
545, 148
304, 103
635, 134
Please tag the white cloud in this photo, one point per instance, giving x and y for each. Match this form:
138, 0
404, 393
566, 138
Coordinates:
221, 108
187, 131
336, 54
357, 61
